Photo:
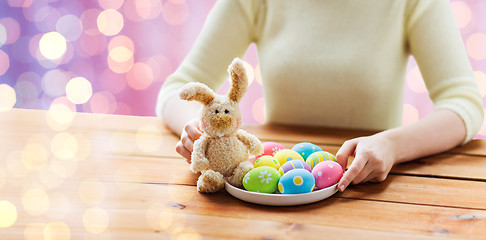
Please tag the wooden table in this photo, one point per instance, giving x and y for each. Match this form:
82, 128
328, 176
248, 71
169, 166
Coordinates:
90, 176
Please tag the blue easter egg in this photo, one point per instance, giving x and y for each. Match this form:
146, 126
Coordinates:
305, 149
296, 181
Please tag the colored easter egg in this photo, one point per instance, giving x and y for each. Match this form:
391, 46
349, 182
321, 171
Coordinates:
261, 179
305, 149
270, 148
267, 160
296, 181
285, 155
293, 164
327, 173
318, 157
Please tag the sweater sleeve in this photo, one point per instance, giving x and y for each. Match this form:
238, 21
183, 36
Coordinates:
435, 42
226, 34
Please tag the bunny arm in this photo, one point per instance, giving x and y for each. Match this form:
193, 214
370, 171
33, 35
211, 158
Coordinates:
199, 162
253, 143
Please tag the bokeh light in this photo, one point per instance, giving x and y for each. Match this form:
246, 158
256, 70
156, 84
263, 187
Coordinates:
95, 220
410, 114
12, 29
8, 214
462, 13
110, 22
8, 97
52, 45
4, 62
258, 110
57, 231
3, 35
175, 13
481, 81
113, 4
70, 27
34, 156
476, 46
140, 76
54, 83
147, 139
415, 81
91, 191
64, 145
35, 201
79, 90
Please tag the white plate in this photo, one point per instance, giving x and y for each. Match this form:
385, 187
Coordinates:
280, 199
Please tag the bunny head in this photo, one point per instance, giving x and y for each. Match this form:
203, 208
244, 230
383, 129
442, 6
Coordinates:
220, 114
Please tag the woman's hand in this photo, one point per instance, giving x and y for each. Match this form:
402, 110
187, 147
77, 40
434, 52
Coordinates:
374, 158
189, 135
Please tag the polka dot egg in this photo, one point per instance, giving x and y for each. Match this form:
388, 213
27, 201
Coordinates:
318, 157
267, 160
285, 155
261, 179
327, 173
296, 181
271, 148
293, 164
305, 149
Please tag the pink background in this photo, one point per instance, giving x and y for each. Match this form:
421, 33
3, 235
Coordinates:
151, 37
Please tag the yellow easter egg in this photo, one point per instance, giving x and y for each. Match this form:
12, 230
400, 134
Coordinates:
267, 160
286, 155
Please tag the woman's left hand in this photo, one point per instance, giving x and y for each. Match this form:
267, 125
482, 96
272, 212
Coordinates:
374, 158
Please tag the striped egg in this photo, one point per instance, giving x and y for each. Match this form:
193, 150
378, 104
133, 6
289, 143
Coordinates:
305, 149
293, 164
318, 157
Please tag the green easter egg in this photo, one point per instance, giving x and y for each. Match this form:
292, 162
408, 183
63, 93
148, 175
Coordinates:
261, 179
267, 160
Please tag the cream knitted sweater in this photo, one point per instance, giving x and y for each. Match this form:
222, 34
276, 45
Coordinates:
337, 63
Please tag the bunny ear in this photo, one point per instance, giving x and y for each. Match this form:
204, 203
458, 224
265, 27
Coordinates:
239, 81
197, 91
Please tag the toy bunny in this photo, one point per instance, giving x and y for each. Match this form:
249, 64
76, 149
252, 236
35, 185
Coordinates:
223, 149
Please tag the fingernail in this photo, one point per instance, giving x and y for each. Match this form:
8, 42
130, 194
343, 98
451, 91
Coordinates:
341, 188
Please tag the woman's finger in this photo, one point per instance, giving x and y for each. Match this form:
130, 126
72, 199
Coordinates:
345, 151
183, 151
354, 170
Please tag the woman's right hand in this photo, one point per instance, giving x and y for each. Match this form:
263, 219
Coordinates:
189, 135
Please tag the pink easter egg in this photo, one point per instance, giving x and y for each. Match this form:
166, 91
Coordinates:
270, 148
327, 173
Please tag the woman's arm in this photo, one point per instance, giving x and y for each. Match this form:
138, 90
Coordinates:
375, 155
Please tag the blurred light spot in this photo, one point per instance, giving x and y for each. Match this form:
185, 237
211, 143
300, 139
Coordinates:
65, 101
110, 22
57, 231
89, 21
161, 67
410, 114
91, 191
249, 72
415, 81
20, 3
12, 29
93, 44
123, 109
258, 110
35, 201
34, 46
113, 4
120, 67
14, 166
158, 217
34, 231
120, 54
64, 146
121, 41
476, 46
25, 88
95, 220
112, 82
462, 13
50, 21
175, 13
258, 75
78, 90
103, 102
147, 138
3, 177
140, 76
49, 179
54, 83
70, 27
122, 143
84, 146
59, 116
8, 97
148, 9
60, 206
34, 156
3, 35
4, 62
188, 234
37, 12
481, 81
52, 45
64, 168
8, 214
